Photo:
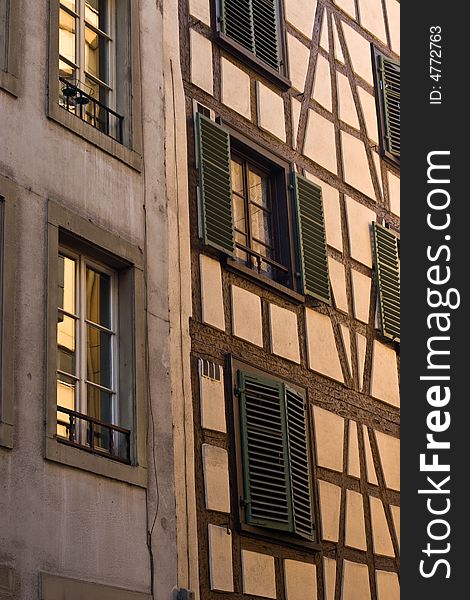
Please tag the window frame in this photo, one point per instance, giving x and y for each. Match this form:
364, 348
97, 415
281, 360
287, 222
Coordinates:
286, 244
69, 229
8, 261
233, 365
281, 77
129, 152
9, 72
379, 102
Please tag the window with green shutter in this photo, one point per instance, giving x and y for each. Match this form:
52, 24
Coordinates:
387, 75
277, 488
387, 270
253, 27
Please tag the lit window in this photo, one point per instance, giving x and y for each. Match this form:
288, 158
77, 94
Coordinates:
87, 357
87, 63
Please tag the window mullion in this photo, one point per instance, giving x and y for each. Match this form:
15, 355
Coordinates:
81, 42
83, 338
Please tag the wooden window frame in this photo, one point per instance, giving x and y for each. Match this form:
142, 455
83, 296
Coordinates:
232, 366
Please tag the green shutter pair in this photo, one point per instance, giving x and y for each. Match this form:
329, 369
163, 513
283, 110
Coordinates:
389, 73
276, 460
254, 25
387, 268
216, 209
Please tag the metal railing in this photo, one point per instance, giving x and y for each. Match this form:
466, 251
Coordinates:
94, 435
260, 259
90, 110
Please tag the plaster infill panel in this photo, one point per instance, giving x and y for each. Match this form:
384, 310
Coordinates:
201, 62
201, 10
300, 580
300, 14
394, 192
389, 451
370, 467
216, 478
388, 586
236, 93
360, 219
346, 335
212, 300
384, 383
329, 438
330, 504
359, 51
284, 333
355, 581
322, 83
270, 111
356, 166
396, 521
213, 403
380, 533
393, 13
372, 18
299, 56
354, 463
220, 559
320, 141
348, 6
361, 342
246, 316
347, 107
329, 566
361, 285
369, 111
321, 344
355, 526
258, 574
338, 284
296, 108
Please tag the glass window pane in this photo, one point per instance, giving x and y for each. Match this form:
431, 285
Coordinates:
65, 70
258, 188
237, 178
100, 406
96, 55
239, 218
99, 363
69, 4
66, 336
66, 398
67, 36
98, 297
261, 225
66, 284
96, 13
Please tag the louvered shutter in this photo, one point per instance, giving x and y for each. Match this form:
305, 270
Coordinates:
237, 22
265, 21
390, 84
215, 185
254, 25
299, 461
265, 453
387, 265
312, 239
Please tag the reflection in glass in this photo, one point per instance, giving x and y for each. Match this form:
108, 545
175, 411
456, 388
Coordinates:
67, 47
66, 358
96, 48
98, 297
238, 186
99, 367
96, 14
100, 407
69, 4
66, 398
258, 188
66, 283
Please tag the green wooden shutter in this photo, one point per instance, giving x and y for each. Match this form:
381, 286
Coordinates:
215, 185
312, 239
299, 460
266, 32
390, 84
387, 266
237, 22
265, 453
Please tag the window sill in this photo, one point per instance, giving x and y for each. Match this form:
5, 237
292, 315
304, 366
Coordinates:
235, 267
95, 137
9, 83
251, 60
100, 465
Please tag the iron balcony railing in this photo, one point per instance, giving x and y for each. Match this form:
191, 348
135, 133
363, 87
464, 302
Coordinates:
259, 259
94, 436
91, 110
